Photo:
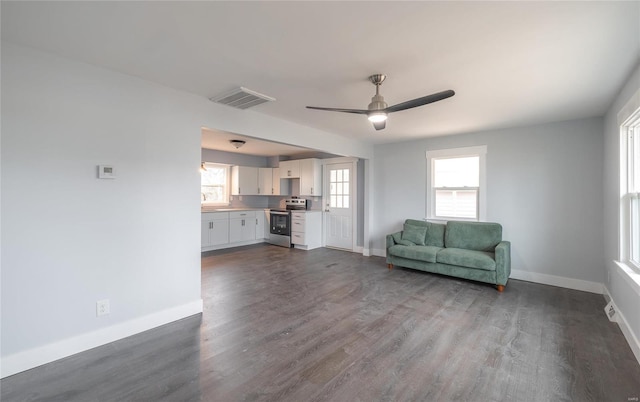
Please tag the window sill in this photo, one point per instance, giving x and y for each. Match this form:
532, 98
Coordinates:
630, 275
445, 220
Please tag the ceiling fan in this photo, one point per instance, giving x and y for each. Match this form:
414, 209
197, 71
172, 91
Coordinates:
378, 109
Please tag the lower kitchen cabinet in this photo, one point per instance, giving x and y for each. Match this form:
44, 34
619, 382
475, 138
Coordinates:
260, 225
306, 229
215, 229
242, 226
231, 229
239, 228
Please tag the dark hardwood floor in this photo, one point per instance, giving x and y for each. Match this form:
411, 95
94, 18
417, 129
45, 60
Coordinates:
328, 325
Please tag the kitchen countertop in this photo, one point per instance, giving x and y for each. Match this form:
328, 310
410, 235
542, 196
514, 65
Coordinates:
216, 209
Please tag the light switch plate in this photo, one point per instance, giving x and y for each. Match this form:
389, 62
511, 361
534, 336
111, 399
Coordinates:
106, 172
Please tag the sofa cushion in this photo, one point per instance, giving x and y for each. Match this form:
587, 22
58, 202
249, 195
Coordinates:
414, 233
435, 234
420, 253
397, 238
480, 236
467, 258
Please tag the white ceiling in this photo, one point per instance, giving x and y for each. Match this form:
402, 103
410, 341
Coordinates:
510, 63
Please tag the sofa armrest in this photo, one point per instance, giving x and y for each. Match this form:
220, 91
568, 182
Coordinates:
503, 262
390, 241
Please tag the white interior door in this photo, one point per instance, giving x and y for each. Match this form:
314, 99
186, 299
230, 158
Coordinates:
339, 206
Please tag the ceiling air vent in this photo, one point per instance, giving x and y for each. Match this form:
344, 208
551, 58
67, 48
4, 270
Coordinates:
242, 98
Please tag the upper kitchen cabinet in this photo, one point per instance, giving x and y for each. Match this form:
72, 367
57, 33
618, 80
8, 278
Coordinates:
244, 180
290, 169
269, 182
280, 187
310, 177
265, 181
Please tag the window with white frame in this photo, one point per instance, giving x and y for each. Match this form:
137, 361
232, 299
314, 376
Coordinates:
214, 184
630, 194
339, 188
456, 183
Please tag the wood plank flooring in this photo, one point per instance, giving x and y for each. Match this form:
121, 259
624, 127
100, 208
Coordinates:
327, 325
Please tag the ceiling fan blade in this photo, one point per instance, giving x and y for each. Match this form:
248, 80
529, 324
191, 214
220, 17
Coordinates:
420, 101
333, 109
380, 125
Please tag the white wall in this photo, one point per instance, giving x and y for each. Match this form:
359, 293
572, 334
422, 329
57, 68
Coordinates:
544, 186
232, 158
69, 239
622, 286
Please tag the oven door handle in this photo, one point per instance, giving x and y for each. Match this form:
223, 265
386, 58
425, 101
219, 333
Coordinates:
278, 213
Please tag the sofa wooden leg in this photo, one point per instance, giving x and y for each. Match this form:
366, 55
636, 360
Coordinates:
390, 266
500, 288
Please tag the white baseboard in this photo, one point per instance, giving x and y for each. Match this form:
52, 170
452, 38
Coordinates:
631, 338
560, 281
545, 279
231, 245
38, 356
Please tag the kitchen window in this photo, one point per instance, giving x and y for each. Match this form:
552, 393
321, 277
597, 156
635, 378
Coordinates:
456, 184
630, 194
214, 184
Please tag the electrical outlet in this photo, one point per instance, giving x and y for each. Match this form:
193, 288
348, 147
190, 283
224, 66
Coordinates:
102, 307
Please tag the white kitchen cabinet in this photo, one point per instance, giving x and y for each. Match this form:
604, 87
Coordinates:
280, 186
215, 229
310, 177
260, 225
267, 224
309, 171
265, 181
242, 226
306, 229
270, 183
289, 169
244, 180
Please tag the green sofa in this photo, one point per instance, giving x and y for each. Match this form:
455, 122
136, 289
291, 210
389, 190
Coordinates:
469, 250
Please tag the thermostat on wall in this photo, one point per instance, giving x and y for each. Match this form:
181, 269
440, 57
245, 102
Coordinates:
106, 172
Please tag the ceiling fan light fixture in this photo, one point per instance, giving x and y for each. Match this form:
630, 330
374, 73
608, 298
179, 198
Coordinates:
378, 109
237, 143
377, 117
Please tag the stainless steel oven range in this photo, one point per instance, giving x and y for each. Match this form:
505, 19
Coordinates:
280, 221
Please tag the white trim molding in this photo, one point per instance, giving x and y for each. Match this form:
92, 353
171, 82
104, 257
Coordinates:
38, 356
481, 152
559, 281
379, 252
354, 198
629, 108
632, 340
543, 279
630, 276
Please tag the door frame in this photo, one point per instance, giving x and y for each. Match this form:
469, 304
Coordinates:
354, 193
